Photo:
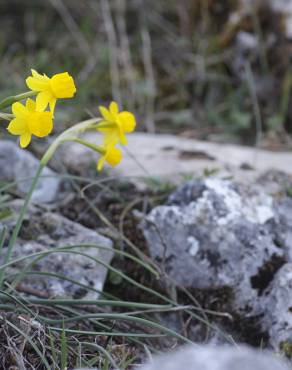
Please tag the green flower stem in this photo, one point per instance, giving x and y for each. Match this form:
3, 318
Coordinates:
6, 116
118, 316
69, 135
88, 302
94, 147
12, 99
20, 221
104, 124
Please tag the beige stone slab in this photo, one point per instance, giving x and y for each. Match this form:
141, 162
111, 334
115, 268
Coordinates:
170, 156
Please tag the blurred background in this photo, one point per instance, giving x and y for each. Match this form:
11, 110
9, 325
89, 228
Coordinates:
216, 70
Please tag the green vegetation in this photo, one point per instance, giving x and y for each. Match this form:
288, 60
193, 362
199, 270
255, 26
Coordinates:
183, 67
180, 66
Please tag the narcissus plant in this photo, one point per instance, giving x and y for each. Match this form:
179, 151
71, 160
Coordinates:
28, 121
35, 118
115, 125
60, 86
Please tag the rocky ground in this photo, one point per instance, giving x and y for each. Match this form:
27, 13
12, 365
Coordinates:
217, 223
211, 358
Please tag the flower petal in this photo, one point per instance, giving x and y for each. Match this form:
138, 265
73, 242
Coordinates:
25, 140
41, 123
100, 163
30, 105
127, 121
17, 126
41, 83
114, 109
111, 138
19, 110
62, 85
36, 74
42, 100
52, 105
106, 114
122, 137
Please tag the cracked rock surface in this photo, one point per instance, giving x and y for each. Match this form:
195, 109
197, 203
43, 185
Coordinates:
214, 233
44, 232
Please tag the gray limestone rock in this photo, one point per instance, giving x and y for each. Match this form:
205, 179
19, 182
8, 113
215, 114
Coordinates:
18, 165
45, 231
214, 234
216, 358
277, 304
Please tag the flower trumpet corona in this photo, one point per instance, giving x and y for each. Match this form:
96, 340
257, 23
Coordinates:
60, 86
111, 155
115, 124
28, 121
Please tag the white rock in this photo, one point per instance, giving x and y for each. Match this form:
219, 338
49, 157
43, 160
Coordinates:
172, 157
216, 358
20, 166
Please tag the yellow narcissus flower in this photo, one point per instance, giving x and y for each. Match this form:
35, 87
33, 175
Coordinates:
28, 121
116, 124
111, 155
49, 90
